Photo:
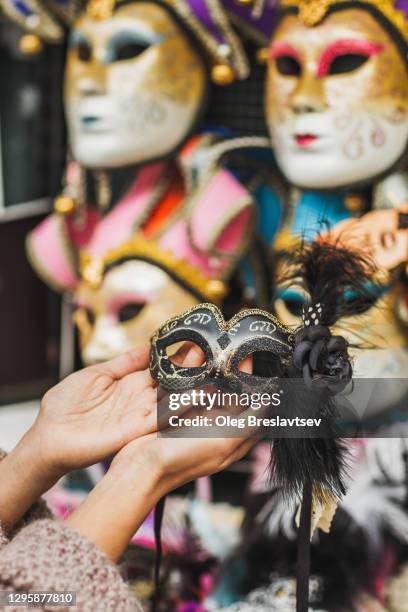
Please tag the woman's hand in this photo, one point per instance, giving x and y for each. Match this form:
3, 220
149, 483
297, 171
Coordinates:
87, 417
151, 466
93, 413
144, 471
175, 461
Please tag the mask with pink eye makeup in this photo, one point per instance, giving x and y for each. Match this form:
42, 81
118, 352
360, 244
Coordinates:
336, 99
126, 309
129, 283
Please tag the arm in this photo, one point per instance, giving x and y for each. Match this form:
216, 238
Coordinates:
142, 473
125, 501
19, 495
46, 555
148, 468
87, 417
49, 556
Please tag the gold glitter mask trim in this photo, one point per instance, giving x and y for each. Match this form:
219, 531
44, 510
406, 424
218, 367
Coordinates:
312, 12
101, 9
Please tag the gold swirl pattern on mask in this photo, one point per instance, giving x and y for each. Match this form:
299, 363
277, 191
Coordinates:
312, 12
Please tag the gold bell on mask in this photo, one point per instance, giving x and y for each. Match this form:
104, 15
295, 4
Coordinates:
30, 44
101, 9
64, 205
222, 74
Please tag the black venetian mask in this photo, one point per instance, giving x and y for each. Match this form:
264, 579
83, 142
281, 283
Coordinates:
225, 345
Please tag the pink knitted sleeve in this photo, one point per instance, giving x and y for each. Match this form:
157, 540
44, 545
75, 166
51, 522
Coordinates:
50, 556
46, 555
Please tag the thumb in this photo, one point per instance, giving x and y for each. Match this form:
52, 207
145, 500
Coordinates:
133, 361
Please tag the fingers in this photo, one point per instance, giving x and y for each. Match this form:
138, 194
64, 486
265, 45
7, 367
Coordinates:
246, 365
140, 380
194, 358
132, 361
189, 356
180, 355
241, 450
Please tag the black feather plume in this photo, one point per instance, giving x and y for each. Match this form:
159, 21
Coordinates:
340, 279
339, 283
320, 461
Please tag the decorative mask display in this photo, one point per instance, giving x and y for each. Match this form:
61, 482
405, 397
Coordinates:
137, 72
337, 93
337, 112
136, 84
350, 564
124, 311
132, 274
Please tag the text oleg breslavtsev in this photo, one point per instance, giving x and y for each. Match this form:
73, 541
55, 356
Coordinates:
248, 420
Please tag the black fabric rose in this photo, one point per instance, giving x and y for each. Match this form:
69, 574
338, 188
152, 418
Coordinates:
322, 358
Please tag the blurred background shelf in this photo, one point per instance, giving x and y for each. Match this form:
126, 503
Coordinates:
32, 155
15, 420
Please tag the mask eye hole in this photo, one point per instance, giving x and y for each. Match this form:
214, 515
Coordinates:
186, 354
264, 364
84, 52
288, 66
90, 316
129, 311
128, 51
80, 45
347, 62
294, 306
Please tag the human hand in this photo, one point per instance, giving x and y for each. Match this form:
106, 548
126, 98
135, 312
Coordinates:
148, 468
93, 413
140, 475
177, 459
85, 418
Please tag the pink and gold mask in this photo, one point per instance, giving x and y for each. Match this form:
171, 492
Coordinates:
134, 86
336, 100
133, 300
